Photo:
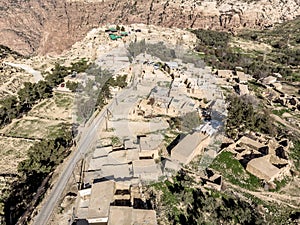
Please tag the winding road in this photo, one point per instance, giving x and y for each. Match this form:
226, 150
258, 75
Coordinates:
36, 74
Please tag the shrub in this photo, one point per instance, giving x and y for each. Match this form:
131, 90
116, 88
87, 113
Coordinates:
243, 116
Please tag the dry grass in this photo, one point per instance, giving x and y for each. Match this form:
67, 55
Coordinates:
11, 80
30, 127
57, 108
12, 151
250, 46
44, 120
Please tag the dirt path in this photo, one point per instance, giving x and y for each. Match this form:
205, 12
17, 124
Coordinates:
270, 196
36, 74
278, 119
4, 87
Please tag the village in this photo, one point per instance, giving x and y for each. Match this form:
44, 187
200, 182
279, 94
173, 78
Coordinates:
134, 147
131, 146
168, 118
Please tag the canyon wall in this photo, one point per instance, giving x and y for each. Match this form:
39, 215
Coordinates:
51, 26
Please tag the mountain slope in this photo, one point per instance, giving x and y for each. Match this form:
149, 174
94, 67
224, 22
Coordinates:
51, 26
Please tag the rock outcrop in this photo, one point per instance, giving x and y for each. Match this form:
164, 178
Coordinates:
51, 26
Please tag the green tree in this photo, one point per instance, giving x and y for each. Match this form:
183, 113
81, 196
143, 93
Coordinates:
9, 110
27, 96
43, 89
72, 85
57, 75
80, 66
243, 116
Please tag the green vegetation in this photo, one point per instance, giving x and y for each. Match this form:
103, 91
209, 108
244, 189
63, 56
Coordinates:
256, 87
32, 128
181, 203
105, 93
72, 85
169, 136
164, 84
163, 52
14, 107
185, 123
243, 116
35, 171
276, 214
115, 141
211, 39
96, 93
6, 51
158, 50
43, 157
80, 66
295, 155
280, 112
58, 130
62, 100
233, 171
280, 184
59, 72
283, 56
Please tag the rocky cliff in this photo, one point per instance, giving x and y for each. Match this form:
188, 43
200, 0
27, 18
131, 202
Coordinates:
51, 26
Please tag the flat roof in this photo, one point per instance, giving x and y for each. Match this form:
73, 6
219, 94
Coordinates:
82, 209
98, 163
102, 151
143, 162
117, 171
242, 76
144, 166
182, 101
186, 146
128, 216
122, 186
248, 141
129, 144
132, 154
159, 91
101, 196
150, 142
208, 128
144, 217
172, 64
269, 80
120, 215
225, 72
243, 89
171, 165
263, 167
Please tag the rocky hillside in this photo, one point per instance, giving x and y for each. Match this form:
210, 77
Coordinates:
51, 26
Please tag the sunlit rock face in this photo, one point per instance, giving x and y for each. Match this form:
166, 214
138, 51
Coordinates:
51, 26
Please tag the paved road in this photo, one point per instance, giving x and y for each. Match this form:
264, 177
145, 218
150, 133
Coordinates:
87, 139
